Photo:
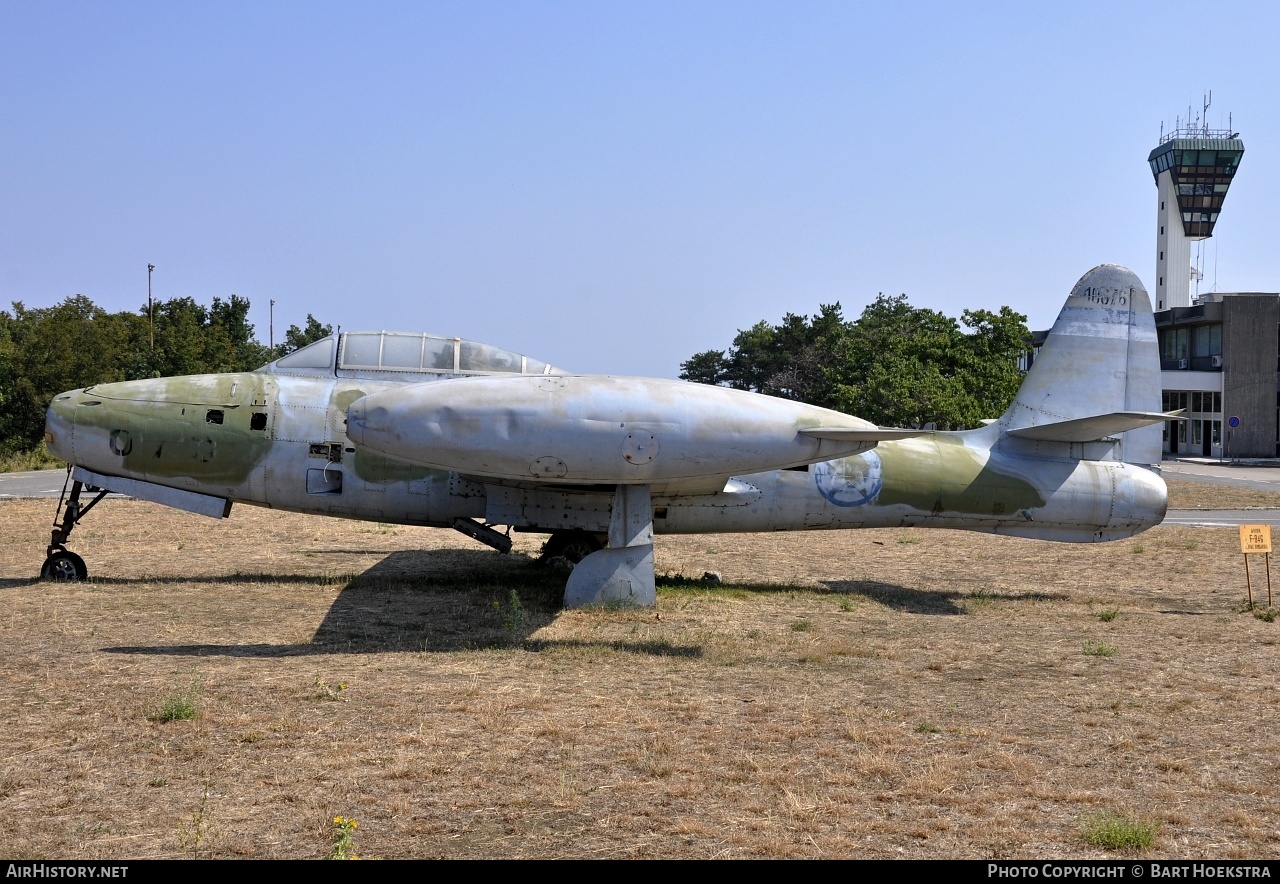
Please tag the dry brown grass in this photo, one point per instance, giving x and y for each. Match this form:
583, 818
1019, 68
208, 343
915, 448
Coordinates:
939, 702
1185, 494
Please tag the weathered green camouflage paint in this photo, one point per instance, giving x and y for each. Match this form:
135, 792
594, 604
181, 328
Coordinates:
370, 466
160, 428
378, 469
940, 474
342, 398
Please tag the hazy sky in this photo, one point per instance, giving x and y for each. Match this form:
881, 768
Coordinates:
613, 186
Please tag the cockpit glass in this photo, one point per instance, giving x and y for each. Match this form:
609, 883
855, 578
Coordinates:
402, 351
317, 355
361, 349
437, 354
482, 357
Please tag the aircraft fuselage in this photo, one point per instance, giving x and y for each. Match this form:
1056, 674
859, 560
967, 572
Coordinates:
281, 441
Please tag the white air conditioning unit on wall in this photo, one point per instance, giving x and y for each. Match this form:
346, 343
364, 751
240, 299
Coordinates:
1182, 363
1217, 361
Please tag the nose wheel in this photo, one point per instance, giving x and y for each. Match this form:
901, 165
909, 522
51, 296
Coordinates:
61, 564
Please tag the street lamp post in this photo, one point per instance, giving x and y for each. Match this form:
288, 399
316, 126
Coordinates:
151, 314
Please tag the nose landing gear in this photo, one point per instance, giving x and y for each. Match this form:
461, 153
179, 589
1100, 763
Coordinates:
62, 566
60, 563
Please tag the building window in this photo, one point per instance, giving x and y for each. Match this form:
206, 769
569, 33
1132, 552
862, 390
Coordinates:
1207, 340
1175, 344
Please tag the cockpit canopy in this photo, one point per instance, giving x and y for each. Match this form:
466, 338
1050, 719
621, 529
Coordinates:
374, 354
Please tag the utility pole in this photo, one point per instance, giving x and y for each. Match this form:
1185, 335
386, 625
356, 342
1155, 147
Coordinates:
151, 313
271, 326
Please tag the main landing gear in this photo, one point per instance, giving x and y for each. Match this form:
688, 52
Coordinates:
572, 546
60, 563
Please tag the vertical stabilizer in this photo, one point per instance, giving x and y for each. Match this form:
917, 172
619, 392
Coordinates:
1100, 358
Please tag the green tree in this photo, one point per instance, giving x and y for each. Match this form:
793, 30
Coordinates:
991, 359
76, 344
789, 360
297, 338
53, 349
231, 345
896, 365
707, 367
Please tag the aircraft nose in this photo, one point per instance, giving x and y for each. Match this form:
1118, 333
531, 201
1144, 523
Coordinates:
59, 424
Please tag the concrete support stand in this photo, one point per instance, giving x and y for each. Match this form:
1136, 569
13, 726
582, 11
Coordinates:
622, 574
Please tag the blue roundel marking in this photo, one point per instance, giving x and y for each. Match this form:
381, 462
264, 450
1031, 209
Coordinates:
851, 481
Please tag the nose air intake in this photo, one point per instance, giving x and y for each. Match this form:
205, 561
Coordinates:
59, 426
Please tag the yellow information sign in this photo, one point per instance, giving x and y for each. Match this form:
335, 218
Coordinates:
1255, 538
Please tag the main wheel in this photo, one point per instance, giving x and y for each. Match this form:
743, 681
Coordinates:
64, 566
572, 546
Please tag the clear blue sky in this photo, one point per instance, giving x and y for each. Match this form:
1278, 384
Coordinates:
613, 187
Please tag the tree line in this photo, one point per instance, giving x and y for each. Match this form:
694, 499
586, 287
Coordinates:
895, 365
46, 350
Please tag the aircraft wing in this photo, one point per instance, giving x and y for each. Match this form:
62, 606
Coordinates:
1096, 428
874, 434
699, 486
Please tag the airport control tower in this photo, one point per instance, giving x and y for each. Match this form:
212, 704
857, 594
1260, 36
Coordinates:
1193, 167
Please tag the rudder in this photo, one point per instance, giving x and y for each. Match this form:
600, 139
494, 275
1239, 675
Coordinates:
1100, 358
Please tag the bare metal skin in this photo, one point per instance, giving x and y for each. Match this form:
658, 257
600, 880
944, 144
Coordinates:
419, 430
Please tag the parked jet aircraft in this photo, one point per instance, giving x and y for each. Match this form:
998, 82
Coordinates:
423, 430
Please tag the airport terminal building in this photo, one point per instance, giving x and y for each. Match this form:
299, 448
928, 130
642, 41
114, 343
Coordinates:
1218, 360
1219, 352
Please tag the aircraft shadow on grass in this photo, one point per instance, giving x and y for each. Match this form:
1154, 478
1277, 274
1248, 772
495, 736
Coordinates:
944, 602
435, 601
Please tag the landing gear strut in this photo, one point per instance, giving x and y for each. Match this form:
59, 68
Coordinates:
60, 563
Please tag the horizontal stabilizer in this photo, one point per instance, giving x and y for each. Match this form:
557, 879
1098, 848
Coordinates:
875, 434
1097, 428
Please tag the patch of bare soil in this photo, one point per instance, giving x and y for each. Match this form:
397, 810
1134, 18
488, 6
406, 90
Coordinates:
892, 693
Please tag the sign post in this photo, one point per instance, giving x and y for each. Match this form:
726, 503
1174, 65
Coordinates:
1232, 423
1256, 539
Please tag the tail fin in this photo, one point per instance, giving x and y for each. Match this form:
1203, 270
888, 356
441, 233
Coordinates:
1099, 368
